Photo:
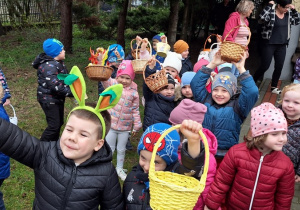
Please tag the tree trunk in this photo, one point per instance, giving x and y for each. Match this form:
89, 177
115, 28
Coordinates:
185, 22
2, 32
122, 23
191, 22
173, 21
66, 24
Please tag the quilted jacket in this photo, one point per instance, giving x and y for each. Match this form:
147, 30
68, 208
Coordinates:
125, 114
236, 176
59, 183
50, 88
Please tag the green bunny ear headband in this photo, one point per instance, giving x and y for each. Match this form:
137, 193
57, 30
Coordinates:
108, 98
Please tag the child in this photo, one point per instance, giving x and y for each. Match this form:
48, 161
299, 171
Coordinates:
296, 75
184, 90
124, 115
51, 91
155, 40
158, 106
136, 186
190, 110
226, 111
182, 48
4, 160
113, 58
290, 105
76, 171
256, 174
173, 65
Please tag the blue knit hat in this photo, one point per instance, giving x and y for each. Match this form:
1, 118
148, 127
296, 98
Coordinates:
169, 145
226, 80
52, 47
187, 78
115, 52
157, 37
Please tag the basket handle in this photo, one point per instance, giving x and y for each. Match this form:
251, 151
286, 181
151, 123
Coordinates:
147, 65
218, 37
13, 109
206, 162
137, 48
239, 27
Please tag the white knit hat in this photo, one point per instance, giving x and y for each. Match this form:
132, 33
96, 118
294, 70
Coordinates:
173, 60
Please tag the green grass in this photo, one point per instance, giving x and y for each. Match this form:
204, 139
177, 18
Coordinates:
17, 51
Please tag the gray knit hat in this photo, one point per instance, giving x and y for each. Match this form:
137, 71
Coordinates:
226, 80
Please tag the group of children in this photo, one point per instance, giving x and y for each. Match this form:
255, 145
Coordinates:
77, 170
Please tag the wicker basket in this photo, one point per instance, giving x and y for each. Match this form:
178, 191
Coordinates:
156, 81
139, 64
209, 49
99, 72
175, 191
231, 51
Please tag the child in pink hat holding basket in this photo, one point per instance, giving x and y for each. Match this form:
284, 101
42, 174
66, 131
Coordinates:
125, 116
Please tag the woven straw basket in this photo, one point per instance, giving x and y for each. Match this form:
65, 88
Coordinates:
175, 191
157, 80
209, 49
231, 51
99, 72
139, 64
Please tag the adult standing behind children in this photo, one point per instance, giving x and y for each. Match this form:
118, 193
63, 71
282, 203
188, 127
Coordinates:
51, 91
226, 110
276, 20
181, 47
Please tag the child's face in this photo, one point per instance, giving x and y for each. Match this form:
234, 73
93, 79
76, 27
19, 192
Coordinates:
172, 71
124, 79
220, 95
291, 104
274, 141
154, 42
168, 91
61, 56
145, 158
185, 54
80, 139
187, 91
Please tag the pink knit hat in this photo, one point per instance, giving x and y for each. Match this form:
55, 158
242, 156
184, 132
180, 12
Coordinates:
199, 64
266, 118
188, 110
126, 68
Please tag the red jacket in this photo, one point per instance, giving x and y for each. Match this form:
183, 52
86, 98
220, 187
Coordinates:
233, 21
236, 177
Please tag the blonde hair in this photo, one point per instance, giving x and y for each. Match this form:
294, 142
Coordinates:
290, 87
244, 6
1, 93
257, 141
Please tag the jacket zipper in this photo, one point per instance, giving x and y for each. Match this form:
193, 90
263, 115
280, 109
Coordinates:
69, 187
255, 185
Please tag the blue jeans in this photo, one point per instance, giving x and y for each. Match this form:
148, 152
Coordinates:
2, 207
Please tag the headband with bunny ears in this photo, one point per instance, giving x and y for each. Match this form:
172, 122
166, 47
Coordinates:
108, 98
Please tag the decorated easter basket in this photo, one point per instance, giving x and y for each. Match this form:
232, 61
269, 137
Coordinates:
231, 51
163, 48
175, 191
139, 64
157, 80
98, 72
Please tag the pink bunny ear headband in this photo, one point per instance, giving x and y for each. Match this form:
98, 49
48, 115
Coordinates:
108, 98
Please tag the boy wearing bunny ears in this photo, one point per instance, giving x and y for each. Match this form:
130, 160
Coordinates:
76, 171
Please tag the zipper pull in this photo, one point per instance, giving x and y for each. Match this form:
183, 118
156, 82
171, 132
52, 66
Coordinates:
74, 174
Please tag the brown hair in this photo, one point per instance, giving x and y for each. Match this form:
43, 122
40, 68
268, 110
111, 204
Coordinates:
293, 86
244, 6
257, 141
87, 115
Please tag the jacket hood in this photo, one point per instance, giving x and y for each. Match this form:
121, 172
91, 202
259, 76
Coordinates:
101, 156
41, 58
211, 140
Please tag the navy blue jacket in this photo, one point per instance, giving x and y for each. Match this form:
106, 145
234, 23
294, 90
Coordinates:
157, 106
50, 88
225, 120
4, 160
186, 66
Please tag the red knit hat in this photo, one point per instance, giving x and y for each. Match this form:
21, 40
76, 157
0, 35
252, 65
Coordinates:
180, 46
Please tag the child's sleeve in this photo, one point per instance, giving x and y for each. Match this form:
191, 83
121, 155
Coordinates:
297, 69
249, 94
198, 84
20, 145
4, 85
137, 124
111, 196
109, 82
285, 189
145, 55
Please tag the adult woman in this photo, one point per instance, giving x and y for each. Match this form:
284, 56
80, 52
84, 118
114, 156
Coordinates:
276, 20
243, 11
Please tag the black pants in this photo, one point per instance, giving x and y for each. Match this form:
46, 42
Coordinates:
267, 53
55, 119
